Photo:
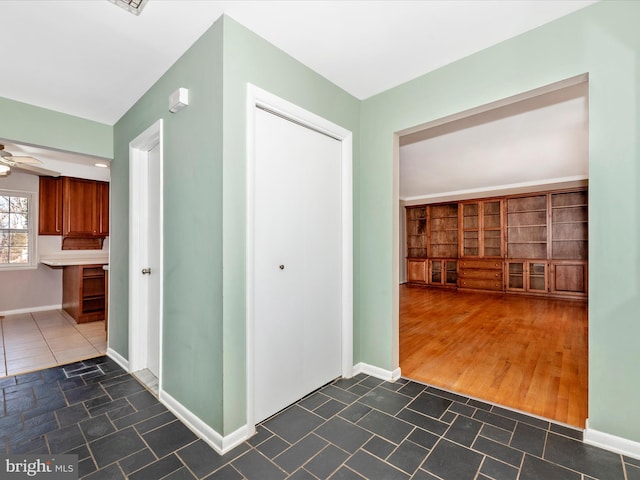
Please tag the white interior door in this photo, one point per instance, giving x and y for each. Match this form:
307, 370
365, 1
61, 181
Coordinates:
153, 261
145, 247
297, 262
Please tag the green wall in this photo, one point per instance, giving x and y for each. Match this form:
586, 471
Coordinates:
24, 123
204, 196
192, 194
248, 58
604, 41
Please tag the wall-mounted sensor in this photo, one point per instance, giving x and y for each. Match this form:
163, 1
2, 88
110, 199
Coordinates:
178, 100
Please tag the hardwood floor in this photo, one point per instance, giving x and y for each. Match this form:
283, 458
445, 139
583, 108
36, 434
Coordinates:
522, 352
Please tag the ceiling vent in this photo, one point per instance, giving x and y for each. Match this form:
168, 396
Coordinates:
133, 6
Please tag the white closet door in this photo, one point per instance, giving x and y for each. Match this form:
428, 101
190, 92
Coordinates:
297, 271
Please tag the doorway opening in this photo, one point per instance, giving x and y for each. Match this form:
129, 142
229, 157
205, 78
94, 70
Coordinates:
145, 247
493, 210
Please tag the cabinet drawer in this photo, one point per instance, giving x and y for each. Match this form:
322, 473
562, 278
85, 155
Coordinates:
481, 284
482, 264
481, 274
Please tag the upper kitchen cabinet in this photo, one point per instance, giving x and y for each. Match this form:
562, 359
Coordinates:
75, 208
50, 211
79, 207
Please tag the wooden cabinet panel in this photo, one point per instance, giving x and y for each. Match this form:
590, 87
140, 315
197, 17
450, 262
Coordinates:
569, 278
50, 206
102, 208
416, 271
79, 212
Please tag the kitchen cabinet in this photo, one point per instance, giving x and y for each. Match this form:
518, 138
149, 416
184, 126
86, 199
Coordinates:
75, 208
50, 211
84, 292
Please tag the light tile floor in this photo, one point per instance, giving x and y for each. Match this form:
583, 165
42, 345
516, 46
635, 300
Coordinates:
33, 341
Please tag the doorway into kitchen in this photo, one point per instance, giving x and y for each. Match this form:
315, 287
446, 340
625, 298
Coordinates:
494, 252
54, 241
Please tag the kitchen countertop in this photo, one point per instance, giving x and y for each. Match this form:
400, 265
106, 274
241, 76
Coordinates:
65, 260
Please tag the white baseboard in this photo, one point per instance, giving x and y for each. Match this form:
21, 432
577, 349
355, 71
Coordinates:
19, 311
388, 375
611, 442
119, 359
219, 443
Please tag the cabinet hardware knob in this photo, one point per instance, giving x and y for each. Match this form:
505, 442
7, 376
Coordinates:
146, 271
281, 267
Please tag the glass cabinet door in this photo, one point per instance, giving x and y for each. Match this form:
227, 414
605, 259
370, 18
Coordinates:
492, 229
471, 230
515, 278
436, 271
537, 276
451, 272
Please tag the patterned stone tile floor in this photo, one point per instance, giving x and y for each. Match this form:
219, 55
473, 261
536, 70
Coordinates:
348, 430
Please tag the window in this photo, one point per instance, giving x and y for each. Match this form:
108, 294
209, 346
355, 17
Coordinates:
16, 230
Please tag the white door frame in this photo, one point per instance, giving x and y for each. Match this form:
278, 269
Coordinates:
258, 98
138, 239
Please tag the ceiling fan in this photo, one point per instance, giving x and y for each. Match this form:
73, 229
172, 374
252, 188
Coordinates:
24, 163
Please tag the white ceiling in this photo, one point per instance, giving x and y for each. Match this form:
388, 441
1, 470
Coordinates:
538, 143
93, 59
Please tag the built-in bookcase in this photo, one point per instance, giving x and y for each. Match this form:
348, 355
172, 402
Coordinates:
527, 227
443, 231
417, 232
569, 226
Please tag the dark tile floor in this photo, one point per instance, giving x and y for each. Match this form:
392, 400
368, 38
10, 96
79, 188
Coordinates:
351, 429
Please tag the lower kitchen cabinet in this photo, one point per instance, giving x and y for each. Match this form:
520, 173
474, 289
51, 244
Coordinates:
84, 292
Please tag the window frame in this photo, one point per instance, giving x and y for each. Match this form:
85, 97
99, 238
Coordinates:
32, 225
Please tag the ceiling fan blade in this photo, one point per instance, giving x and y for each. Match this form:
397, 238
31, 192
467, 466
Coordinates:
37, 170
25, 160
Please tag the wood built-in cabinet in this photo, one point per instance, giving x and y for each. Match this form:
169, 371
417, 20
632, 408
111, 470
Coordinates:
535, 244
84, 292
481, 228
